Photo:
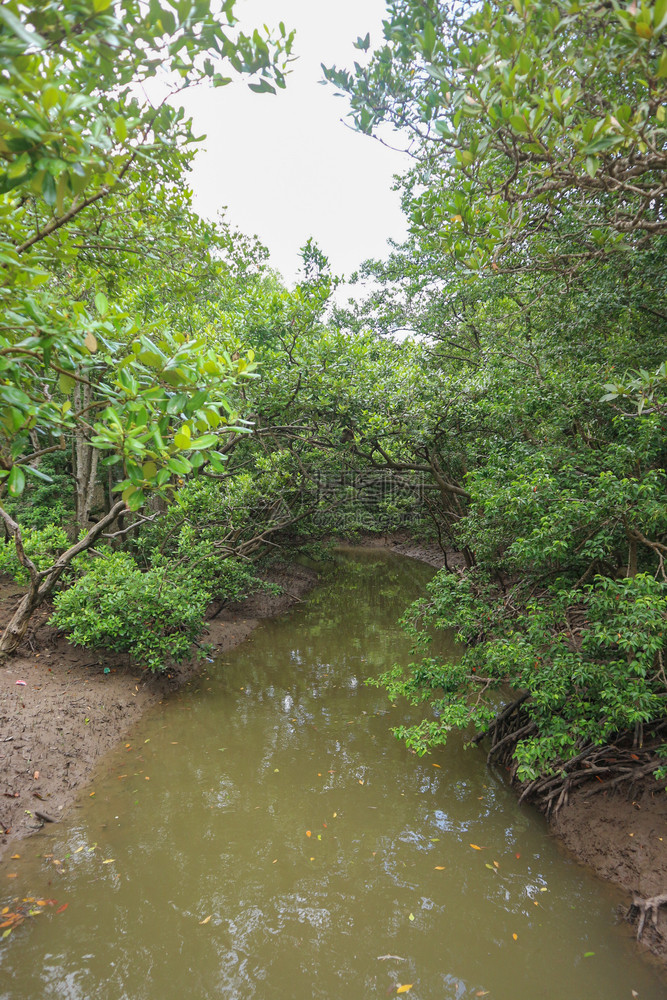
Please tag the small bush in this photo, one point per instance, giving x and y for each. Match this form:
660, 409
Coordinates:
42, 545
154, 616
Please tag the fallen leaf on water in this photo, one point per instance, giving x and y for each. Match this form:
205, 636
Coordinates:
78, 850
7, 932
496, 865
361, 783
411, 917
62, 908
109, 861
475, 847
535, 903
334, 815
490, 867
515, 936
543, 888
309, 833
205, 920
439, 868
588, 954
11, 875
436, 765
3, 911
15, 857
404, 989
517, 856
274, 861
42, 902
482, 993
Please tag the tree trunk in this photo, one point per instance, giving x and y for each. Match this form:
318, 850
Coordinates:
85, 464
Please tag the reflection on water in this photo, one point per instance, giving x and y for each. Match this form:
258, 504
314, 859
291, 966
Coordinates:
266, 837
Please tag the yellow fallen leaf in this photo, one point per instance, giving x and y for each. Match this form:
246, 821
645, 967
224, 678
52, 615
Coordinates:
15, 857
543, 888
482, 993
361, 783
436, 765
404, 989
11, 875
476, 848
109, 861
439, 868
411, 917
515, 936
496, 865
334, 815
308, 833
205, 920
78, 850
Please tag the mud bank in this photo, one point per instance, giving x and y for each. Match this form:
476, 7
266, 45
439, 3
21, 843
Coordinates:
60, 711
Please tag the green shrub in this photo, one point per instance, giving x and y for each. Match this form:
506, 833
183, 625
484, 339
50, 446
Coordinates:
42, 545
155, 616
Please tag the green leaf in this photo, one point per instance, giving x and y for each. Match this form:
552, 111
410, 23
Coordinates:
518, 123
120, 129
205, 441
660, 15
263, 87
101, 303
16, 481
66, 384
14, 24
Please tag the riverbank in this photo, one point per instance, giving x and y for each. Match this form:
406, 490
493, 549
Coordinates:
63, 707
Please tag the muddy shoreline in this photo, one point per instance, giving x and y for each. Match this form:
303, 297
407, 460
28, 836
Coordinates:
57, 725
60, 712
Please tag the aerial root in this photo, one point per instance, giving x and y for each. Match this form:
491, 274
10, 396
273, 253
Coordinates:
645, 908
626, 762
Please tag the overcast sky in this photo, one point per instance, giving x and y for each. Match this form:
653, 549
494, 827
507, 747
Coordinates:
286, 167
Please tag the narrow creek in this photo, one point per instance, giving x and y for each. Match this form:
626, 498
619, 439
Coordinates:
263, 835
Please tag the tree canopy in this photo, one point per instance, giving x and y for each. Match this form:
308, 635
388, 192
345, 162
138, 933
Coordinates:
171, 413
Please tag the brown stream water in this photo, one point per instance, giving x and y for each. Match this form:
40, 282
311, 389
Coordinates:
286, 846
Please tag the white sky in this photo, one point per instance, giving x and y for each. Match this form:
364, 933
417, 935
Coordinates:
286, 167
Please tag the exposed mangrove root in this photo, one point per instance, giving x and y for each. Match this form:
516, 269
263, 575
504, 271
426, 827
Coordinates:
630, 759
644, 908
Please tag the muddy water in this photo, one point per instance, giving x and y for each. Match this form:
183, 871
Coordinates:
264, 836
